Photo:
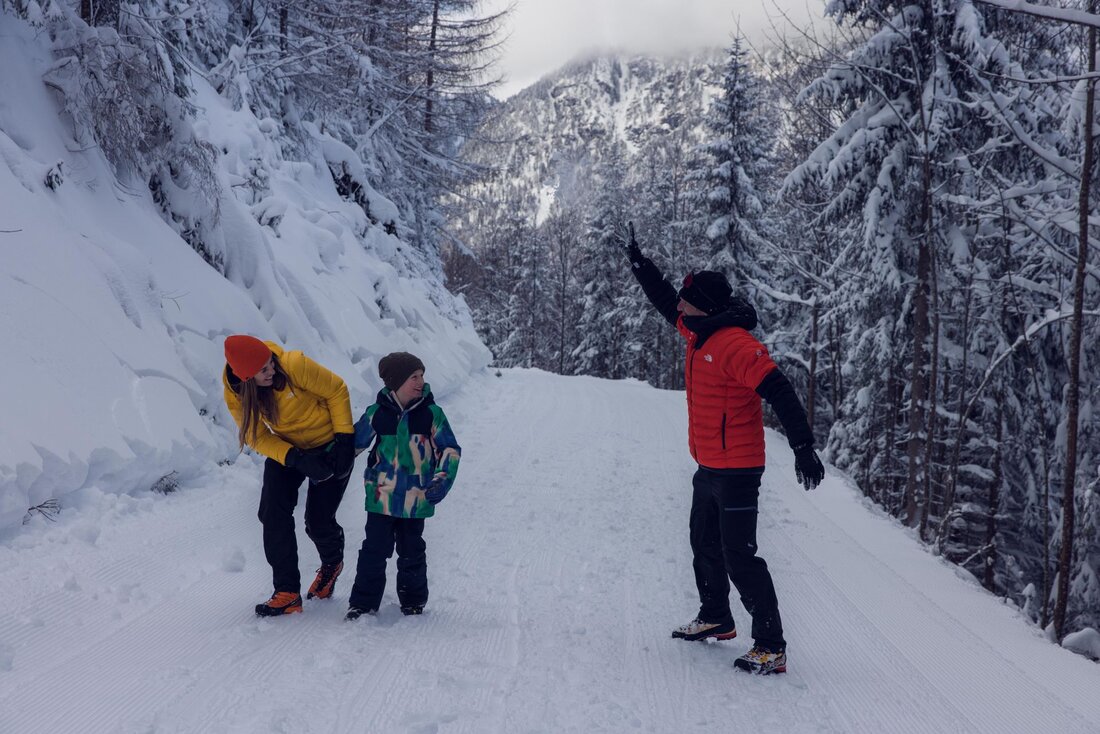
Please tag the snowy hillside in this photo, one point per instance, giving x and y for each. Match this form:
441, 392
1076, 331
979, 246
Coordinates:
556, 131
557, 568
113, 326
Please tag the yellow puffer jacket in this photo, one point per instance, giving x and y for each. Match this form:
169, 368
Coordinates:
310, 413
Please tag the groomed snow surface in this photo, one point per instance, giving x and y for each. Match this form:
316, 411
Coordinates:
558, 567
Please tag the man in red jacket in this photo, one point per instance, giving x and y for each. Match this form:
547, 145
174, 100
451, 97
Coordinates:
727, 371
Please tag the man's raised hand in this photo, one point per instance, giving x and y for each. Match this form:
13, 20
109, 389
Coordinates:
629, 244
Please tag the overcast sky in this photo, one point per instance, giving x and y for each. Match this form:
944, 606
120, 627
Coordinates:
546, 34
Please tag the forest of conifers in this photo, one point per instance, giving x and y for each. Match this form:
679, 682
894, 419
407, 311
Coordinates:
909, 200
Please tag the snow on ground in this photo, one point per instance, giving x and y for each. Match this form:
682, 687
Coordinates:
558, 567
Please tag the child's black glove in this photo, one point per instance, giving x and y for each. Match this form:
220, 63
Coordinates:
436, 491
807, 467
313, 465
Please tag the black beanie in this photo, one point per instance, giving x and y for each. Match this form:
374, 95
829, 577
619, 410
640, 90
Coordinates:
395, 368
707, 290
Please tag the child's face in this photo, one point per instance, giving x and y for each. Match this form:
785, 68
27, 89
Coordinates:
412, 388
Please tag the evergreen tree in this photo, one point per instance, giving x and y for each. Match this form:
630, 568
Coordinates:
737, 159
601, 328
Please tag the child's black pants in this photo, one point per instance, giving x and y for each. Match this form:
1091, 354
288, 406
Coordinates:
383, 534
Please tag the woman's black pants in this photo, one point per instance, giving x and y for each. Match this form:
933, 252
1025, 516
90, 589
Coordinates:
278, 498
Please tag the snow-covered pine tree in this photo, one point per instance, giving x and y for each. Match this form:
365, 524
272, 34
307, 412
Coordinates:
884, 164
806, 270
937, 126
562, 230
659, 203
601, 327
737, 166
529, 310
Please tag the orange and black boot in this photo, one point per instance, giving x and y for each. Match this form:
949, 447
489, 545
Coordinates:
281, 602
325, 582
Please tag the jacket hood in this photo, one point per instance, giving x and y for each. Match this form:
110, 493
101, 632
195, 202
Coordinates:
740, 313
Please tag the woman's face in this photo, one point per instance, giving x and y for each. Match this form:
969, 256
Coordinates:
412, 388
266, 374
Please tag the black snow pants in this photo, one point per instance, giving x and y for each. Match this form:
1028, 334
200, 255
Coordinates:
278, 498
723, 541
382, 534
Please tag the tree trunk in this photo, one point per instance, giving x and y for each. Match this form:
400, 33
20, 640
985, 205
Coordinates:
990, 555
933, 419
918, 376
283, 12
431, 69
811, 388
963, 414
834, 372
889, 488
1073, 391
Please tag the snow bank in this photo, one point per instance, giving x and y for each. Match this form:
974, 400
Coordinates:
113, 326
1084, 642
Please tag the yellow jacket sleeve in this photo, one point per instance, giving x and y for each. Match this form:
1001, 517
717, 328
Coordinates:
325, 384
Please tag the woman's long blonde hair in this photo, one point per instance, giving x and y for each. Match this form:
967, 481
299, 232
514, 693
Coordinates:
258, 403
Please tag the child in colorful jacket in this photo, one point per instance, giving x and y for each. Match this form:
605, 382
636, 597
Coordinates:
413, 462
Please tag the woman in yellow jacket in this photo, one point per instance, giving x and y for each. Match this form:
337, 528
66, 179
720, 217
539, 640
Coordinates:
297, 414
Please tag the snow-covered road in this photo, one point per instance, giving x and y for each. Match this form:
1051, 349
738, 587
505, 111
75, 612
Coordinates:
558, 567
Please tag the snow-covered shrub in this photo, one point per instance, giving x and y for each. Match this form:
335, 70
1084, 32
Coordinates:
47, 509
184, 184
120, 88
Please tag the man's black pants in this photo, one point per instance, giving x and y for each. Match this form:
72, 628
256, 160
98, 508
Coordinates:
723, 540
278, 498
382, 534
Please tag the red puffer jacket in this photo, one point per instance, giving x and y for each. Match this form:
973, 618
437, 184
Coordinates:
725, 419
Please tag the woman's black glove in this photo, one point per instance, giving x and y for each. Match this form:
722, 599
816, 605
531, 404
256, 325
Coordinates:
315, 466
343, 454
807, 466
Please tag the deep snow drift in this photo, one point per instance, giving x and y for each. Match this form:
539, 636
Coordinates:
558, 566
112, 326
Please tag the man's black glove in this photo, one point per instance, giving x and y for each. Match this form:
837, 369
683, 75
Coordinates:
807, 466
314, 465
343, 454
629, 244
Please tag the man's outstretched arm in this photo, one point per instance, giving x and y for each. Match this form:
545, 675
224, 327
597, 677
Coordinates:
657, 289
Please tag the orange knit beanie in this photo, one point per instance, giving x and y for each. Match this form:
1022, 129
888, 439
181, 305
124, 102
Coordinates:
246, 355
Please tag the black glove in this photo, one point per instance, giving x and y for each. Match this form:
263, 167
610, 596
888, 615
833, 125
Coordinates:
314, 465
343, 454
632, 250
434, 492
624, 236
807, 467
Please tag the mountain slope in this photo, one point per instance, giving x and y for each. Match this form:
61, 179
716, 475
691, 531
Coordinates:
546, 140
113, 325
557, 567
